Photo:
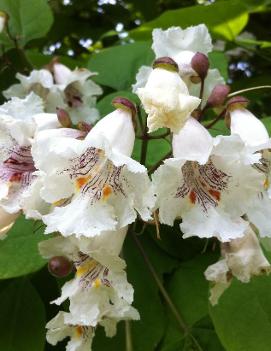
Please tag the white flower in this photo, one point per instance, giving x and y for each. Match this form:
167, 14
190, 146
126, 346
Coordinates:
255, 136
242, 258
80, 336
181, 45
207, 184
20, 120
66, 89
40, 82
96, 184
100, 289
166, 100
79, 92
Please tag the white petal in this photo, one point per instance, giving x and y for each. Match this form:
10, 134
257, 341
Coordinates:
193, 142
251, 130
80, 218
214, 223
142, 77
117, 127
173, 40
61, 73
166, 100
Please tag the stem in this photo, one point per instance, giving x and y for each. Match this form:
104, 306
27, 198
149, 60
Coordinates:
144, 148
210, 125
249, 89
140, 119
167, 298
201, 92
128, 336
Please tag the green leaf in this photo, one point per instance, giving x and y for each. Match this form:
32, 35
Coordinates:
242, 317
218, 60
28, 19
22, 318
224, 19
19, 251
188, 290
117, 66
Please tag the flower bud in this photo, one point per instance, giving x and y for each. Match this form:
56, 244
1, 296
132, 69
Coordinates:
237, 102
166, 63
3, 20
63, 118
218, 95
200, 64
60, 266
124, 104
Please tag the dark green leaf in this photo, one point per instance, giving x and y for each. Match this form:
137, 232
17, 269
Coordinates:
19, 251
117, 66
22, 318
242, 317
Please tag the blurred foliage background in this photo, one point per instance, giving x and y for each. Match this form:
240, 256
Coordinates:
113, 37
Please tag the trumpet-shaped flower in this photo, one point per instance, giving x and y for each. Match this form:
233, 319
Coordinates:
100, 289
165, 98
92, 183
208, 183
80, 336
242, 258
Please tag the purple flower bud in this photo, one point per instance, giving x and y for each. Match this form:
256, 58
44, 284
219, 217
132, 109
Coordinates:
60, 266
218, 95
123, 103
166, 63
200, 64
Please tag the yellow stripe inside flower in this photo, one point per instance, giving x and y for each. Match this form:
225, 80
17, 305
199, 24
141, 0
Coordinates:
78, 331
85, 267
59, 202
266, 184
97, 283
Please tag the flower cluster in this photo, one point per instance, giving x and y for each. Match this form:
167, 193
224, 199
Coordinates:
62, 89
215, 186
82, 183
